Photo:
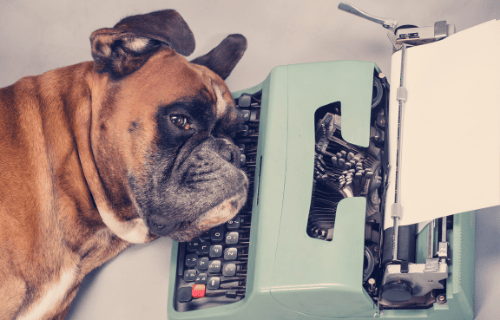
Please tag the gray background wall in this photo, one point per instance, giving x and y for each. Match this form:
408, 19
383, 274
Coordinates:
36, 36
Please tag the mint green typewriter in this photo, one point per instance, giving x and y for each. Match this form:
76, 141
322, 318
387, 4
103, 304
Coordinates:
310, 242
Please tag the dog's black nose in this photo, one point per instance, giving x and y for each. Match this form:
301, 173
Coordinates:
229, 152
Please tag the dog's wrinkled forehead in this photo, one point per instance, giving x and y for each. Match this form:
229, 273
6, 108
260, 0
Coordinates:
219, 95
168, 79
144, 56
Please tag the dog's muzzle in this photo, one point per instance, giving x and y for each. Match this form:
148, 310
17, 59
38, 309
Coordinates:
201, 189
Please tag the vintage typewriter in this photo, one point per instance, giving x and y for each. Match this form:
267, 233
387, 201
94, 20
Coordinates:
310, 242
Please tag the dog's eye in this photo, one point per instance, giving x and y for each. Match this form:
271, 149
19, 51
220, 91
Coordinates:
180, 121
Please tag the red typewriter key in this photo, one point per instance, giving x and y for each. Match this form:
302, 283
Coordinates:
198, 291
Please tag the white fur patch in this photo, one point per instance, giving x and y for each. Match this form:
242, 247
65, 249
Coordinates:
224, 211
133, 231
138, 44
53, 295
221, 103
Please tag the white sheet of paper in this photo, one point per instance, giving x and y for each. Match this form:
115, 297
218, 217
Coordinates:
451, 129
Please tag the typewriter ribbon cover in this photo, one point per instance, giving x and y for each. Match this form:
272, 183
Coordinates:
451, 131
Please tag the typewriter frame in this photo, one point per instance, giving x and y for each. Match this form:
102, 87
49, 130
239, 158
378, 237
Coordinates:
325, 280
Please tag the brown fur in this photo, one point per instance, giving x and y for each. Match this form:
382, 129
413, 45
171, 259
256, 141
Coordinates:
50, 128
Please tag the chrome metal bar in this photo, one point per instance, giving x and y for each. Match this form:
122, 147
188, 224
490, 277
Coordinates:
385, 22
430, 240
443, 229
396, 207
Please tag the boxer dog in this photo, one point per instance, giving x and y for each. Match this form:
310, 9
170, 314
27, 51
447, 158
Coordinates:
123, 149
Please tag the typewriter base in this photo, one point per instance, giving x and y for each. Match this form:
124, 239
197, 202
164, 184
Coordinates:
259, 304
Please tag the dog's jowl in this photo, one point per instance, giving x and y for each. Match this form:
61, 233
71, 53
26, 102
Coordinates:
123, 149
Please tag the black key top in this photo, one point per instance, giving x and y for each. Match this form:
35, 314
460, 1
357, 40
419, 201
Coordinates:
245, 115
213, 283
202, 263
190, 275
214, 266
231, 294
245, 100
193, 246
233, 223
242, 147
202, 278
205, 236
191, 260
244, 131
184, 294
204, 248
217, 235
230, 254
215, 251
232, 237
255, 115
229, 270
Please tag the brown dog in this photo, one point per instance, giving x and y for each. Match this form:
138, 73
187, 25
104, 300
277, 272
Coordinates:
123, 149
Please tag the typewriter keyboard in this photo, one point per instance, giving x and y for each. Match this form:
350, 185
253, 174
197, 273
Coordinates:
212, 269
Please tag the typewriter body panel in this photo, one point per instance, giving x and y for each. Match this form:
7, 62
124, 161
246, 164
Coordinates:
290, 275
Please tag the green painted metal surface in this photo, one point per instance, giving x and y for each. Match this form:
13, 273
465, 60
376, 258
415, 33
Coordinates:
292, 276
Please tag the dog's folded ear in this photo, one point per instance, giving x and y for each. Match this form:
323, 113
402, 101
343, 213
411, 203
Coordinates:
223, 58
128, 45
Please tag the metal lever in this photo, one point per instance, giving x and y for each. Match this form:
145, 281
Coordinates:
390, 24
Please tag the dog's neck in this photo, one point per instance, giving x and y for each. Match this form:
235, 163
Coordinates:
127, 225
62, 135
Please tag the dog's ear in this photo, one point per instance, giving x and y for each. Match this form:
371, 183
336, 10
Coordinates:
223, 58
128, 45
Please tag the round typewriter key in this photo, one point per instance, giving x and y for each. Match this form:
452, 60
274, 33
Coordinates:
245, 100
193, 246
204, 248
230, 254
202, 263
229, 270
245, 115
184, 294
217, 235
215, 251
234, 223
198, 291
232, 237
214, 266
191, 259
190, 275
213, 283
201, 278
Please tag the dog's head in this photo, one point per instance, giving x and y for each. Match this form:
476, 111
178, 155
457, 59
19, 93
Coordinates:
161, 129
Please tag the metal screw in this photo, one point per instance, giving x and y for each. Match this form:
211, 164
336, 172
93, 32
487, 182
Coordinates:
441, 299
371, 282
